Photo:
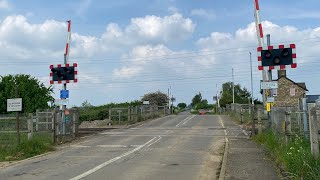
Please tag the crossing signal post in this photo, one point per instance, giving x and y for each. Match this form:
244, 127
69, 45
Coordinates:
281, 58
63, 74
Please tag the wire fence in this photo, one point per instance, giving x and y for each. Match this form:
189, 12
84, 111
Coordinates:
56, 125
287, 122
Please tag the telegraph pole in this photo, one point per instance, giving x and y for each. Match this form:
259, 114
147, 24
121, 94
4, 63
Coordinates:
251, 79
232, 87
217, 99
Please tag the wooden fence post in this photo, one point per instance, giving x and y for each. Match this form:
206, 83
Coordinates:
110, 110
37, 120
314, 139
259, 121
288, 126
136, 113
129, 115
253, 132
30, 126
241, 114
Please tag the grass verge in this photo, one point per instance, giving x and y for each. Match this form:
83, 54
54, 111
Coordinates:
295, 157
40, 143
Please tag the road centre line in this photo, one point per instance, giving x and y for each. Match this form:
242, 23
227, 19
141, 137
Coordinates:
159, 137
182, 122
111, 161
188, 120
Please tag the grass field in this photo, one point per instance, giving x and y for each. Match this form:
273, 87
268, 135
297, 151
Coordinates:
10, 150
295, 157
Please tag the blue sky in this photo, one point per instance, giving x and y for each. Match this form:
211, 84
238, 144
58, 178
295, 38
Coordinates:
127, 48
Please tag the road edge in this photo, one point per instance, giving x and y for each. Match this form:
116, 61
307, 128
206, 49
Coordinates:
224, 161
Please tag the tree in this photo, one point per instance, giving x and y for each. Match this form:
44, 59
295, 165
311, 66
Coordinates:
86, 104
196, 99
241, 96
33, 93
182, 105
156, 98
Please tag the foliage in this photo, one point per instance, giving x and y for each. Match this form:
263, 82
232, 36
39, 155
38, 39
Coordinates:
39, 144
33, 93
90, 113
296, 156
196, 99
86, 104
241, 95
199, 103
182, 105
156, 98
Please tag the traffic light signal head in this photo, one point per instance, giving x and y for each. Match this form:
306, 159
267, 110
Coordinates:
63, 74
277, 58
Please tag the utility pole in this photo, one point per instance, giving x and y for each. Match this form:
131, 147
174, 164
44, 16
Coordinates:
251, 79
17, 116
232, 87
169, 99
252, 103
217, 103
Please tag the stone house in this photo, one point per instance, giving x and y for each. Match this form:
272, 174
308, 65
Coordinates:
312, 100
289, 93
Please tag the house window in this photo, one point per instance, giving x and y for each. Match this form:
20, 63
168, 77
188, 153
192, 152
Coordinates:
292, 91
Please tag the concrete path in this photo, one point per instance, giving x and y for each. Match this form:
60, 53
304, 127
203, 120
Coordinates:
248, 161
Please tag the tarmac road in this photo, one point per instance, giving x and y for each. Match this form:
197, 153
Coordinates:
179, 147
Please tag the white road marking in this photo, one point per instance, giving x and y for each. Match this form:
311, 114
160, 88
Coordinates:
112, 133
80, 146
183, 122
188, 120
225, 131
245, 133
111, 161
221, 122
159, 137
112, 146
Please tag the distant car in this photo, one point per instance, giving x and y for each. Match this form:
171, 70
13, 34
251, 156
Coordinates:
202, 112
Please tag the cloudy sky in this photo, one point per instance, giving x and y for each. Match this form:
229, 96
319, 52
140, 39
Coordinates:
125, 49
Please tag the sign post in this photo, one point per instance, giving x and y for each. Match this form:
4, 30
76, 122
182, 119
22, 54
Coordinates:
269, 85
15, 105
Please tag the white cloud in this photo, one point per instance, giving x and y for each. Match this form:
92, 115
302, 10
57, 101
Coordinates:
203, 13
4, 4
167, 29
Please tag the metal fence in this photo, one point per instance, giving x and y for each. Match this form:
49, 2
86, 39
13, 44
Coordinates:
135, 114
57, 125
288, 122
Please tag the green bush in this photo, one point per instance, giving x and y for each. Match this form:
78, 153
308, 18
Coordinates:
39, 144
296, 156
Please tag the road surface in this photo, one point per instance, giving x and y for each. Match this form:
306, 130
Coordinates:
179, 147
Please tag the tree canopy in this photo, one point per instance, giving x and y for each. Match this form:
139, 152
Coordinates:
241, 95
182, 105
156, 98
196, 99
33, 93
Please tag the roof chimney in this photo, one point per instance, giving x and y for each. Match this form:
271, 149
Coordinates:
282, 73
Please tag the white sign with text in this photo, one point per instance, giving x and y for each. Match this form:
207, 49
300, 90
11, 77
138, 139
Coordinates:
14, 105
